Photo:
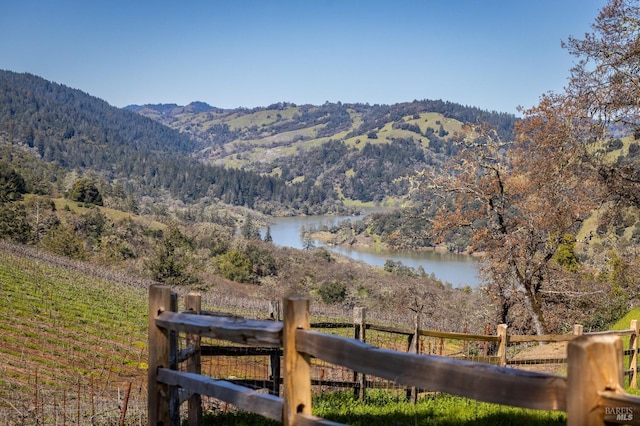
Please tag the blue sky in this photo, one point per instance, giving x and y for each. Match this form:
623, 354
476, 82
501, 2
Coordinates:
493, 54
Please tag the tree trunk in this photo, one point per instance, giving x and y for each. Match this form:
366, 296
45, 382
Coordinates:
534, 309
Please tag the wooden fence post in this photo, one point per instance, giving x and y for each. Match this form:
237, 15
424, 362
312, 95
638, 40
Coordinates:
274, 310
594, 365
633, 361
485, 345
297, 366
193, 302
158, 394
502, 345
578, 329
174, 399
359, 333
274, 358
414, 348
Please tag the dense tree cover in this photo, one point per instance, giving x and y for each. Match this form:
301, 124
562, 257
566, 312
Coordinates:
402, 228
368, 174
332, 157
221, 133
333, 118
377, 170
46, 114
250, 137
72, 130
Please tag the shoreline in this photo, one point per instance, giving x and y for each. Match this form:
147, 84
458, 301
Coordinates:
371, 243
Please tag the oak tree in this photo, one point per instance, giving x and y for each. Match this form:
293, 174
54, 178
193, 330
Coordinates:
526, 201
604, 90
518, 200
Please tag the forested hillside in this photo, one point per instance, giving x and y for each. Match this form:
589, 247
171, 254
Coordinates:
281, 159
48, 130
362, 150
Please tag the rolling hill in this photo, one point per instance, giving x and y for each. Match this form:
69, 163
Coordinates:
48, 130
280, 159
360, 150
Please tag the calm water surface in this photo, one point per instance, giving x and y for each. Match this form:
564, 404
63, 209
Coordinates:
457, 269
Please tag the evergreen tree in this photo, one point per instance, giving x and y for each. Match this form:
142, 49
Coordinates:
14, 224
267, 235
249, 230
85, 191
171, 260
12, 184
63, 240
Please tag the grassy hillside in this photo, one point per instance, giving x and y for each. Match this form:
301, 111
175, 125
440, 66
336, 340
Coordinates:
270, 142
329, 145
241, 137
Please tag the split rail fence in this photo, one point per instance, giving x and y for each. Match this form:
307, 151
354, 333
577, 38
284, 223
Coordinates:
591, 393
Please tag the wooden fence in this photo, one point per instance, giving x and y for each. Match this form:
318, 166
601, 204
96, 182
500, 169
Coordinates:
492, 349
592, 392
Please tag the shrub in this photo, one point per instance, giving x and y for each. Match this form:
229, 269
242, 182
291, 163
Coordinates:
333, 292
235, 266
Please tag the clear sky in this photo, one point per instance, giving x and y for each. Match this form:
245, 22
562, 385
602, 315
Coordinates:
492, 54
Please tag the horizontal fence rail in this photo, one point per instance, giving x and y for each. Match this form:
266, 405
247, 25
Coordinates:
482, 382
591, 393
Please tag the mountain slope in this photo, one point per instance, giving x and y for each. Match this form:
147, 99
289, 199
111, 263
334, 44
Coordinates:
362, 151
229, 133
75, 131
282, 159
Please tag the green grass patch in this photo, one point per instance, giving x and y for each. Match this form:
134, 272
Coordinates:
386, 408
624, 322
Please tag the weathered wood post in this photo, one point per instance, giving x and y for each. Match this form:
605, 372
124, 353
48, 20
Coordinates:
174, 398
485, 346
502, 345
578, 329
274, 358
359, 333
193, 303
633, 360
158, 393
274, 310
297, 366
414, 348
594, 365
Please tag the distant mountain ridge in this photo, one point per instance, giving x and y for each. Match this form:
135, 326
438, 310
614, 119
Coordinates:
173, 109
362, 150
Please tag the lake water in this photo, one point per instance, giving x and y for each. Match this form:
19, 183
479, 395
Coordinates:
458, 269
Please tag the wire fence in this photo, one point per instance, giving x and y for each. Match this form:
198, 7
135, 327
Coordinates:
75, 401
